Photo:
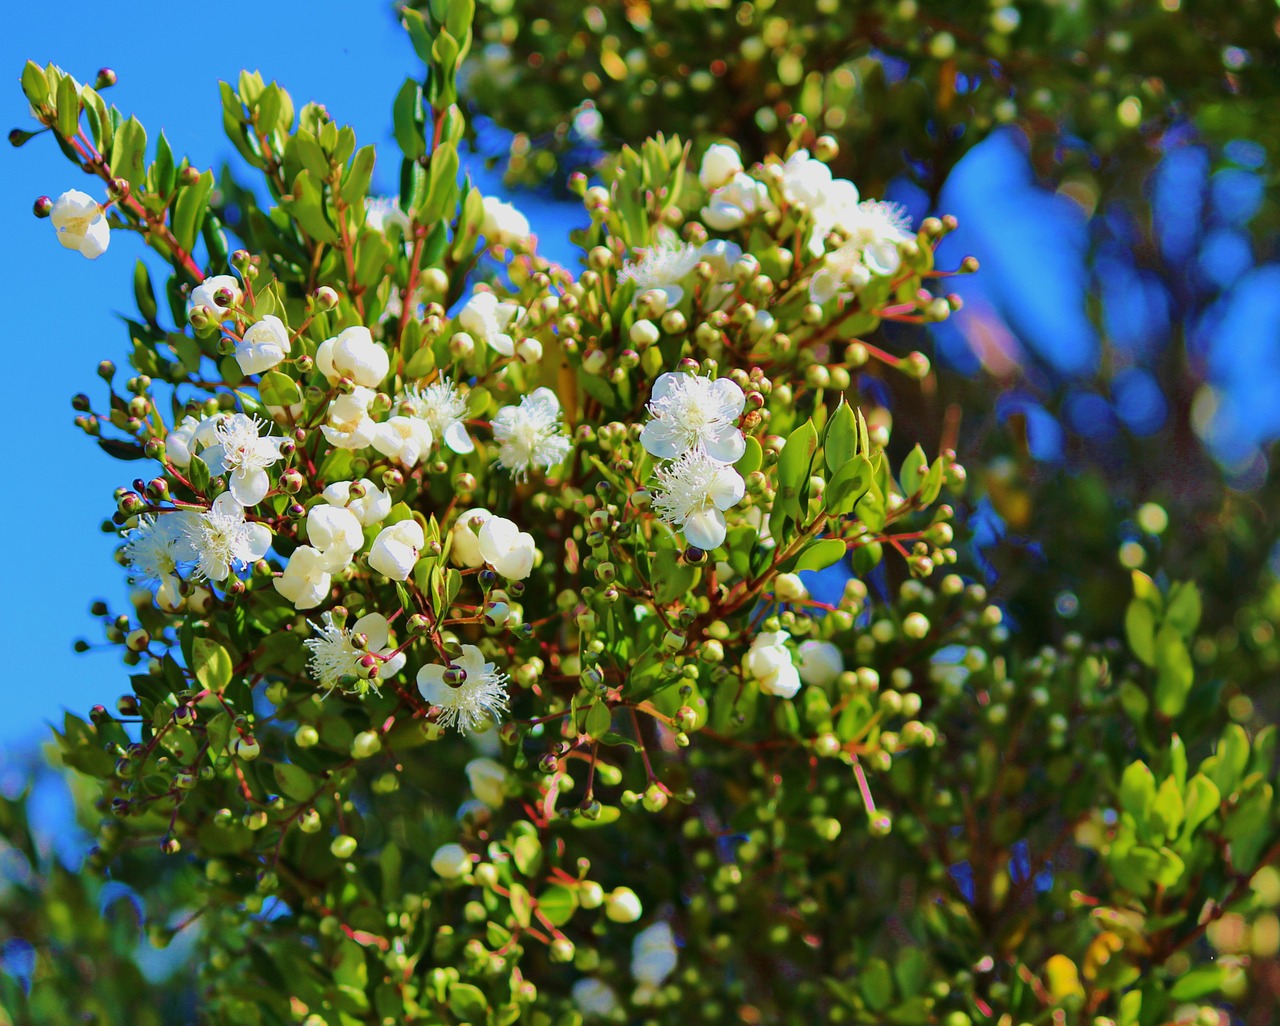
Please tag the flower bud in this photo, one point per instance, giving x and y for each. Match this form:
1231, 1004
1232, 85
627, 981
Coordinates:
42, 207
623, 906
366, 744
343, 846
245, 747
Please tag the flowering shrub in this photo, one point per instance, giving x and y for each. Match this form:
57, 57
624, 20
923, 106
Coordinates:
479, 668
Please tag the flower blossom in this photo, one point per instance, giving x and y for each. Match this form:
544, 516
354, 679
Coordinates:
873, 230
594, 998
181, 443
695, 413
506, 548
503, 224
404, 440
482, 695
154, 548
443, 406
265, 345
653, 958
224, 540
719, 164
335, 655
490, 320
733, 203
820, 662
206, 294
336, 533
769, 662
530, 435
662, 268
370, 508
488, 780
349, 425
353, 354
693, 493
306, 580
241, 450
80, 224
465, 549
394, 552
381, 212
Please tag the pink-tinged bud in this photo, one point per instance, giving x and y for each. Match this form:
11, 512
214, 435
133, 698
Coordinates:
42, 207
105, 79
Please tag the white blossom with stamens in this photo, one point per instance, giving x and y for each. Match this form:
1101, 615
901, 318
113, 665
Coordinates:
443, 406
662, 268
154, 549
243, 451
693, 492
531, 434
490, 320
224, 541
349, 425
265, 345
695, 413
335, 657
481, 697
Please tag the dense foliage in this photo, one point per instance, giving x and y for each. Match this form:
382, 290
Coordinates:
517, 642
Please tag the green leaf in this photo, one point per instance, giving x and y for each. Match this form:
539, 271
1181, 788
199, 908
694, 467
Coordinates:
671, 578
911, 474
34, 84
1202, 800
1174, 672
68, 108
406, 117
468, 1002
848, 486
277, 389
794, 464
527, 854
876, 984
294, 782
599, 719
840, 439
821, 554
1201, 982
211, 663
128, 152
1183, 611
752, 457
188, 213
143, 294
442, 187
355, 183
1140, 629
558, 904
1137, 790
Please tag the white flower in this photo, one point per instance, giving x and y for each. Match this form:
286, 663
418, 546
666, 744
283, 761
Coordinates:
789, 588
831, 201
349, 424
490, 321
663, 267
506, 548
154, 549
842, 274
693, 493
306, 579
224, 541
395, 551
503, 224
465, 550
820, 662
336, 532
653, 955
443, 406
371, 508
264, 345
451, 861
241, 450
594, 998
735, 201
719, 164
876, 228
404, 440
530, 435
482, 695
769, 662
380, 212
353, 354
178, 442
80, 224
335, 659
488, 780
204, 294
695, 413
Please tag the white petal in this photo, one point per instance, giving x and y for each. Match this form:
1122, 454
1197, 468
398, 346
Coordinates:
730, 393
214, 459
431, 685
705, 529
457, 439
660, 439
727, 445
375, 629
728, 488
258, 539
249, 486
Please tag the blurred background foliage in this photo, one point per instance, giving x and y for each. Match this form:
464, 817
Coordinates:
1112, 166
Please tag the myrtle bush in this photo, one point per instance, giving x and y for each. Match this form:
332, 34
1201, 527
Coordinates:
523, 643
